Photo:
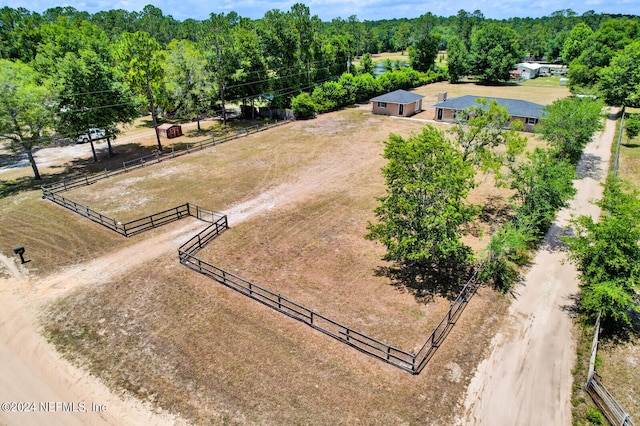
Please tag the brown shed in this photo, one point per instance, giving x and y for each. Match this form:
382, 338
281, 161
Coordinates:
169, 130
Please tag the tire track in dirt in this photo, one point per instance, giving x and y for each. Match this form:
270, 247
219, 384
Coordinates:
526, 378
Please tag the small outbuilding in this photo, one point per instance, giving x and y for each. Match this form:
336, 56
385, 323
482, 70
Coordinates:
399, 103
169, 131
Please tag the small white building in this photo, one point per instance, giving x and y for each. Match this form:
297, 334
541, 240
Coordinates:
529, 70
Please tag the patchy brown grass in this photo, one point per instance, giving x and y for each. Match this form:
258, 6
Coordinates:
543, 95
620, 372
52, 236
178, 339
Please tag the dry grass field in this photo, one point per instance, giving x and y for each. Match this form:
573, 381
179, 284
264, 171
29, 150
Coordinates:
298, 198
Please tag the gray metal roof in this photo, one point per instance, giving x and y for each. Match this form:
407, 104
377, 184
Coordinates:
515, 107
398, 97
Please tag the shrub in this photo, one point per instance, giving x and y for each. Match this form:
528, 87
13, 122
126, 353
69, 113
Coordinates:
508, 249
303, 106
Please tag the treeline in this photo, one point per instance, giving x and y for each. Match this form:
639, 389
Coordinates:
65, 71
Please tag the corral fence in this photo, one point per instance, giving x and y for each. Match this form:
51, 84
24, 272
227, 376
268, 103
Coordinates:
410, 362
157, 157
135, 226
406, 361
614, 413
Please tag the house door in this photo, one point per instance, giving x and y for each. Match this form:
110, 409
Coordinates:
400, 109
439, 114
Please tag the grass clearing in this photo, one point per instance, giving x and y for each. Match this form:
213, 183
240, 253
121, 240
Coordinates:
543, 95
179, 340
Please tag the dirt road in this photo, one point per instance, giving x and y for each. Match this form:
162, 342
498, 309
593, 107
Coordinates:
31, 371
526, 379
45, 388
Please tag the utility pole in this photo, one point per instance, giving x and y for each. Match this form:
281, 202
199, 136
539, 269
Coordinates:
224, 110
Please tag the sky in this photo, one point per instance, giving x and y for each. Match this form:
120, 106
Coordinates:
329, 9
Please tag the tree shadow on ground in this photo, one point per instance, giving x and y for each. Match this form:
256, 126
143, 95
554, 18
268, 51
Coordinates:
121, 154
495, 211
571, 307
425, 282
589, 166
553, 240
14, 160
631, 145
617, 333
28, 183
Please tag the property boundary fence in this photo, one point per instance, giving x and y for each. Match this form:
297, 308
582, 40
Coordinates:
157, 157
614, 413
410, 362
611, 409
135, 226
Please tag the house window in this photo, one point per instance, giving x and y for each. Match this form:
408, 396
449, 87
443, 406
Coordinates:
382, 104
531, 121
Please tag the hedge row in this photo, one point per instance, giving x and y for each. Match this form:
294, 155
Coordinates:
350, 89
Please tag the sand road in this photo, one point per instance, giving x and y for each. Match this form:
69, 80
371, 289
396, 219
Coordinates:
526, 379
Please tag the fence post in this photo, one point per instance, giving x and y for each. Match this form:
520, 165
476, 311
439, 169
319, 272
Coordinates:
86, 179
279, 305
594, 350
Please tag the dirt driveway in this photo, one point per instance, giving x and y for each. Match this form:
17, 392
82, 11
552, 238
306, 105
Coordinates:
527, 377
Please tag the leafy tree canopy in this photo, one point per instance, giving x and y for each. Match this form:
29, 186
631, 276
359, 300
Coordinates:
27, 106
607, 254
494, 52
421, 218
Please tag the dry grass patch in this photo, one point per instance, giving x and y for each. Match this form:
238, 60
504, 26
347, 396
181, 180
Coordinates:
301, 196
52, 236
543, 95
194, 347
620, 372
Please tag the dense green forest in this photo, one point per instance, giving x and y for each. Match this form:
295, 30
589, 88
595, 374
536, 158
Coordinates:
65, 71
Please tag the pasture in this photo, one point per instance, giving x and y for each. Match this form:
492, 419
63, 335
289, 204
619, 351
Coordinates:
298, 199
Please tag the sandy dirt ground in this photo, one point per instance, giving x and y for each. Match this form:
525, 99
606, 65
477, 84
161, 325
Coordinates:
31, 371
526, 379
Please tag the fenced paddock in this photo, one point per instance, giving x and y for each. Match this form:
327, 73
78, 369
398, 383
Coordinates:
142, 224
407, 361
410, 362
